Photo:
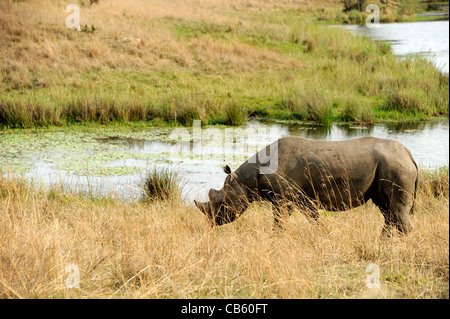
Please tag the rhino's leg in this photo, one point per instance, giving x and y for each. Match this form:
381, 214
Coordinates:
281, 211
388, 218
402, 219
311, 212
396, 219
388, 228
395, 211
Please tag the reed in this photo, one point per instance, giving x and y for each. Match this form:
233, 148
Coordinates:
235, 114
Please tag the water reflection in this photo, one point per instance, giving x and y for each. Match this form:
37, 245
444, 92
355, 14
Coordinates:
427, 141
199, 160
223, 143
431, 135
405, 127
201, 165
326, 132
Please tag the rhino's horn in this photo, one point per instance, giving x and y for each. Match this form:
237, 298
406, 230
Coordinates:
202, 206
215, 196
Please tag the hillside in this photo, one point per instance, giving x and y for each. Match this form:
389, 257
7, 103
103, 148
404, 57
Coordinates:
219, 61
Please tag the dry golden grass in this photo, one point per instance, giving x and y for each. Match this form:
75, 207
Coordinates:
129, 34
168, 250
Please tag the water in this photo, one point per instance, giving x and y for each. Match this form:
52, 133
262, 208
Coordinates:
115, 161
430, 39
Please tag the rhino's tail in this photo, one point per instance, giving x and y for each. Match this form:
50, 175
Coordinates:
411, 211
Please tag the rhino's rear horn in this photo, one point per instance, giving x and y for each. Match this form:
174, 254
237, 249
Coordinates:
215, 196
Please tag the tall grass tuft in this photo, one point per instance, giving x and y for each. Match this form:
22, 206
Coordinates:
313, 103
188, 109
27, 114
235, 114
161, 184
360, 113
435, 182
403, 100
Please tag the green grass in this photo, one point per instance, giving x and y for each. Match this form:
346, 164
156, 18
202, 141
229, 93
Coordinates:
277, 63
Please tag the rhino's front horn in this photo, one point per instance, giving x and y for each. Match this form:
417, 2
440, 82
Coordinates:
204, 207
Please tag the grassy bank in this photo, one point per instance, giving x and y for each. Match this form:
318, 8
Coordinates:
354, 11
220, 61
166, 249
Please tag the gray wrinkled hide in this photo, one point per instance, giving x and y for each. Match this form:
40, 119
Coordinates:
313, 175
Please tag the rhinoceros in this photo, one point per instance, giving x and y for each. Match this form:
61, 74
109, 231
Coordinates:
314, 175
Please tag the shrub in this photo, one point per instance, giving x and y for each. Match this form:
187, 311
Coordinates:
162, 184
310, 45
350, 5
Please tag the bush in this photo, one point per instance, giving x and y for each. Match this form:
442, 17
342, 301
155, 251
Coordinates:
163, 184
350, 5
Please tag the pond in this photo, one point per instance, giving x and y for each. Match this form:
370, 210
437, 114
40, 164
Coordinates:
114, 160
430, 39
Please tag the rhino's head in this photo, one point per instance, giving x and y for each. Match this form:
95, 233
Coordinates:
227, 204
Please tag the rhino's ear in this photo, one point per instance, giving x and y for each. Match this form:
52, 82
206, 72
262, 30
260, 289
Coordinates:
228, 171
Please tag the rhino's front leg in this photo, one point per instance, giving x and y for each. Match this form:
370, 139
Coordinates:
281, 211
311, 212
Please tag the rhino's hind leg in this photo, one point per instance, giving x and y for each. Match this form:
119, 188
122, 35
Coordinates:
402, 218
388, 228
395, 212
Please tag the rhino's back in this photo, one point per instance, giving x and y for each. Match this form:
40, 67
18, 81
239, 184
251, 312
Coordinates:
355, 150
358, 158
335, 165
